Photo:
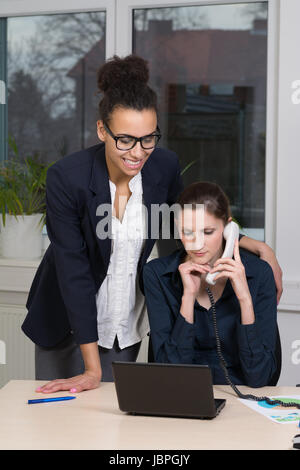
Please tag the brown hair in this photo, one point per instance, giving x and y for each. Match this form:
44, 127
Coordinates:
211, 195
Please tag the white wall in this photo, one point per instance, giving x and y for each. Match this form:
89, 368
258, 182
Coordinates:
288, 197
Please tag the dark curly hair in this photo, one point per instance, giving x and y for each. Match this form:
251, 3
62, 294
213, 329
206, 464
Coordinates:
124, 83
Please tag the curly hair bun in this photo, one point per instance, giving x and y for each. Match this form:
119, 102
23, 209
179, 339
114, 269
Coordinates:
118, 72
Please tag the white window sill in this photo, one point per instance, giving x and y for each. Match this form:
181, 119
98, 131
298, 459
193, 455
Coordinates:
16, 275
19, 263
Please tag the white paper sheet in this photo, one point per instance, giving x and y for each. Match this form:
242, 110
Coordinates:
276, 413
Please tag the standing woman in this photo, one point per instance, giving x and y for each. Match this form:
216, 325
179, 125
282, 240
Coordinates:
85, 306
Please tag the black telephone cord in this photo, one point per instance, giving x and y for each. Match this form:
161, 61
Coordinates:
225, 370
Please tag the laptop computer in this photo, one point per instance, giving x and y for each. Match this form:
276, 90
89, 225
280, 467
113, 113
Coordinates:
166, 390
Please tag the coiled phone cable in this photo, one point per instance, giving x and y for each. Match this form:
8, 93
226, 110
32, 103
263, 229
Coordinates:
225, 370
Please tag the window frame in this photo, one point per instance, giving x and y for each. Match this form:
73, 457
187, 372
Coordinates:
119, 14
3, 90
124, 40
19, 8
12, 8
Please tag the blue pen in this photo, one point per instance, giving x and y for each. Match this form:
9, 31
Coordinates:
46, 400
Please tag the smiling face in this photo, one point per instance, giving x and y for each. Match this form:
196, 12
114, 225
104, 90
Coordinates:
201, 234
125, 121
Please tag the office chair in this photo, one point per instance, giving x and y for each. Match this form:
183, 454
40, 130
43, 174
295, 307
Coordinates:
150, 350
278, 356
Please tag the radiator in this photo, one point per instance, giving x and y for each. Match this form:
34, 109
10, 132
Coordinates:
16, 350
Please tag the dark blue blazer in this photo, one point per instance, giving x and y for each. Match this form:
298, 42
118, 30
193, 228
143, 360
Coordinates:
62, 297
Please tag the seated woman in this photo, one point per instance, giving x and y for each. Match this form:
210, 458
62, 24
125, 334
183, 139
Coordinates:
179, 307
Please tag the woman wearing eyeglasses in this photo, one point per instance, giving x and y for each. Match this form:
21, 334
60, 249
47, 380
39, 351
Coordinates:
86, 307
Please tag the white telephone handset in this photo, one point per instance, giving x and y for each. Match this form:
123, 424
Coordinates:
231, 233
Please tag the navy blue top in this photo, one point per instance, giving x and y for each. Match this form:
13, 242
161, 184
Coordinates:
249, 350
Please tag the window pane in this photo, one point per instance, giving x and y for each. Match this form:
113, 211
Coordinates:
208, 65
52, 64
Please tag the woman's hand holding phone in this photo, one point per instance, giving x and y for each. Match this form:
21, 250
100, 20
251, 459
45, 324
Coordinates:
234, 270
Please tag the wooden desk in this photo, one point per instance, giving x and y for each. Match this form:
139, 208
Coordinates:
94, 421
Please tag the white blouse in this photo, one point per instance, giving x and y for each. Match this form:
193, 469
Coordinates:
120, 303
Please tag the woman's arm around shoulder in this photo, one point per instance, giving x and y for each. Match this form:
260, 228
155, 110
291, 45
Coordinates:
266, 253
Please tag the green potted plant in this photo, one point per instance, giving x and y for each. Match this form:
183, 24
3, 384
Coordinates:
22, 205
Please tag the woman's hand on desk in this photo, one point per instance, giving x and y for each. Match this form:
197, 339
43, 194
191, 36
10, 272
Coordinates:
86, 381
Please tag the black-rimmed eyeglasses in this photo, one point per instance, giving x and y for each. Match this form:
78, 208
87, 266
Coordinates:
127, 142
